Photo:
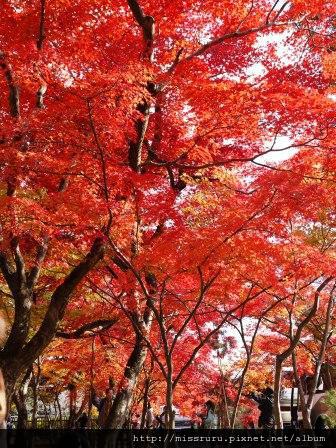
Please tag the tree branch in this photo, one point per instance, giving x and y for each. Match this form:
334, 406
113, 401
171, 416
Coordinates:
228, 36
100, 325
147, 25
19, 262
41, 35
35, 271
296, 339
7, 270
58, 304
14, 94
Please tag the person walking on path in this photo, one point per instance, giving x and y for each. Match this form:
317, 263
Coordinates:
265, 401
210, 420
103, 405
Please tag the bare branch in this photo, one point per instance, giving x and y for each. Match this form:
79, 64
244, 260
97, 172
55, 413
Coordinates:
35, 271
271, 10
147, 24
59, 302
41, 35
228, 36
14, 94
103, 164
19, 261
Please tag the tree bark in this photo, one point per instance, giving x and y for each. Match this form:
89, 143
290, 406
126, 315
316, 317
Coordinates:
145, 403
3, 403
123, 399
321, 355
13, 89
277, 391
22, 354
303, 406
169, 415
239, 393
20, 404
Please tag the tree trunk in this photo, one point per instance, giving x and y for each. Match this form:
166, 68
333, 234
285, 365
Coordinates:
18, 355
239, 393
303, 406
59, 410
20, 404
277, 391
35, 384
321, 355
294, 342
3, 403
145, 403
226, 419
9, 384
72, 405
169, 414
123, 399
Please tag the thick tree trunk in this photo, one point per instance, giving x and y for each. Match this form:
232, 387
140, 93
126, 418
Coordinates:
18, 354
20, 400
123, 399
20, 404
10, 380
277, 391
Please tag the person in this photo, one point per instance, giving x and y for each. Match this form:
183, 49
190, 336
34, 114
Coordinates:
103, 405
10, 424
265, 401
149, 416
210, 420
159, 423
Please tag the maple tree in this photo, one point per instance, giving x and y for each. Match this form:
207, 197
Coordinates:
140, 189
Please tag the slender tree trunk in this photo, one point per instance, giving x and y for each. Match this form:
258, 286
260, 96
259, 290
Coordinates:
91, 382
59, 410
239, 393
169, 415
288, 352
3, 403
72, 405
303, 406
226, 419
35, 384
321, 354
34, 410
145, 403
